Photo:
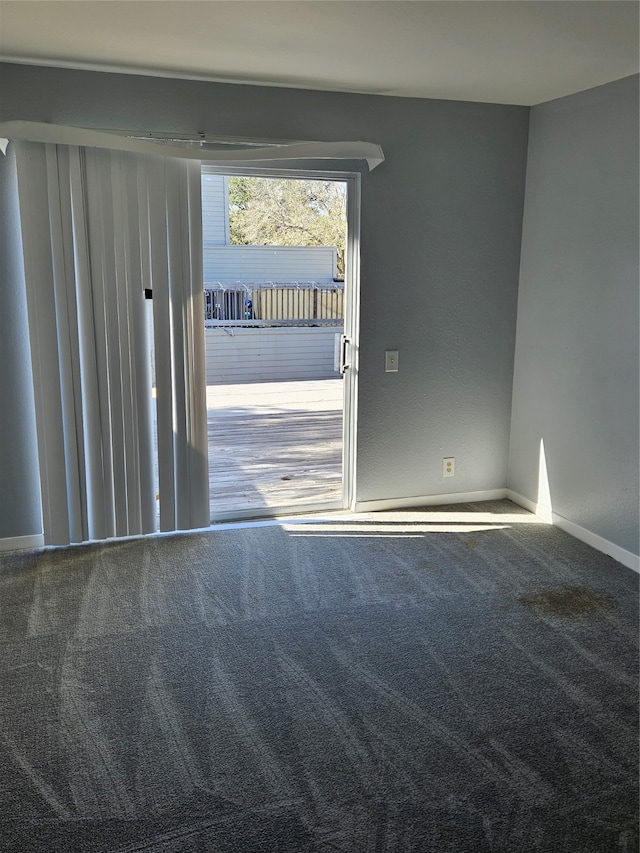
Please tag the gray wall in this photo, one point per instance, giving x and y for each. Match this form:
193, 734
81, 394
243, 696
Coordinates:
19, 500
576, 366
440, 249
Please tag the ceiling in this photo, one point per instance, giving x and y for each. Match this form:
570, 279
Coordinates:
509, 51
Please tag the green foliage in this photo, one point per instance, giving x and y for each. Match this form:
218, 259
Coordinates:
287, 212
239, 193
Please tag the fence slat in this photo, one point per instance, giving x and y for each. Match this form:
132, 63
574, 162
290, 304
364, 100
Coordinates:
301, 304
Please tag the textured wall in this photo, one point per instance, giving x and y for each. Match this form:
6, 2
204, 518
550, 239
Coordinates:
19, 490
440, 249
576, 366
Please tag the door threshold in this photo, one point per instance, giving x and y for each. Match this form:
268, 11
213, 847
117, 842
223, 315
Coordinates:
276, 515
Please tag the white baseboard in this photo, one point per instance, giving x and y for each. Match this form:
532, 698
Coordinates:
540, 510
627, 558
430, 500
631, 561
20, 543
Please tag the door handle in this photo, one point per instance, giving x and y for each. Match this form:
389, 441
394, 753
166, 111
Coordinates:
344, 364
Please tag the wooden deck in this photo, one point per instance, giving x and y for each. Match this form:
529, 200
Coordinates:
274, 444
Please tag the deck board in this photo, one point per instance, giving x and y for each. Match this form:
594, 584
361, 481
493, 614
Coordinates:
274, 444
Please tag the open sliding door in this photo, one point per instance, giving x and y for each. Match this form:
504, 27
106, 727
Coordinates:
281, 396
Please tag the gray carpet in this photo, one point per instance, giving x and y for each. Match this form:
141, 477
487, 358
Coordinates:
388, 684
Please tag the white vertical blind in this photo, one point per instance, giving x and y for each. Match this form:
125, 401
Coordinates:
98, 227
175, 262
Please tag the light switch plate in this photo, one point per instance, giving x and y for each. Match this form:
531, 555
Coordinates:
391, 361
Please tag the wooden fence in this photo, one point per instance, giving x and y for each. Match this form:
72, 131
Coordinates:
304, 304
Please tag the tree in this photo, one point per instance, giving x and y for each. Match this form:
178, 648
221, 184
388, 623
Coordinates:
287, 212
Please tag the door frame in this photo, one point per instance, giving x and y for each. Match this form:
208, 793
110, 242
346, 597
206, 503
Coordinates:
351, 330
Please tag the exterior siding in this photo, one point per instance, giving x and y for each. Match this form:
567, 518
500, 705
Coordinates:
230, 264
215, 214
268, 355
227, 263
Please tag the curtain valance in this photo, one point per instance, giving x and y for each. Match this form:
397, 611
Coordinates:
275, 154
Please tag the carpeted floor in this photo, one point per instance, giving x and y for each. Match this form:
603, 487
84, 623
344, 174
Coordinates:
453, 680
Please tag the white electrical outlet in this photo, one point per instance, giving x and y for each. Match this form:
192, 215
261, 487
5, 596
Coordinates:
449, 466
